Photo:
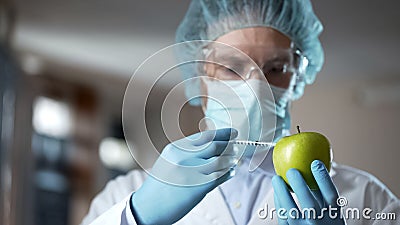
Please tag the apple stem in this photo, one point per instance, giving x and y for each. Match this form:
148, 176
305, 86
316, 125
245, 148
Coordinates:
298, 129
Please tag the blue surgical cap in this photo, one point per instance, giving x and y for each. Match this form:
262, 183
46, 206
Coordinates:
210, 19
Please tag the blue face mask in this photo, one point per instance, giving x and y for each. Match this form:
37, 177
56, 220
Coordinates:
257, 112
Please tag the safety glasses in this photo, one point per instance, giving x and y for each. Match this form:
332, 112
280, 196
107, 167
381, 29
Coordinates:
279, 67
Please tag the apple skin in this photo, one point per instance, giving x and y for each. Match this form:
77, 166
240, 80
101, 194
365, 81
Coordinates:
299, 151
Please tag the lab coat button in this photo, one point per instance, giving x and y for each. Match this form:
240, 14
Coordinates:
208, 216
237, 205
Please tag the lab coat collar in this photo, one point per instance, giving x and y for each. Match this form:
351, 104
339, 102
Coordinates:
266, 165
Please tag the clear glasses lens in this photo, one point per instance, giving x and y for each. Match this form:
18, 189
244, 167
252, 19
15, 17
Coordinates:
277, 66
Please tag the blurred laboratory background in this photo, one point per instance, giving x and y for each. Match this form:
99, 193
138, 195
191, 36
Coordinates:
64, 67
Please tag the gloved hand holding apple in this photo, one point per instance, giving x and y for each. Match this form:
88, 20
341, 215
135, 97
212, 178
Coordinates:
302, 162
299, 151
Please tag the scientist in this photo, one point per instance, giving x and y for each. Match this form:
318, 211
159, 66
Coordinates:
226, 192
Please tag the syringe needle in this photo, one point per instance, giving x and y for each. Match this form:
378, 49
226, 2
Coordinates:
253, 143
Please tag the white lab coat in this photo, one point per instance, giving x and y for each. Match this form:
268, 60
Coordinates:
361, 190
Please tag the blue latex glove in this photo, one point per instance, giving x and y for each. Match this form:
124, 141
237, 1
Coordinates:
326, 196
184, 173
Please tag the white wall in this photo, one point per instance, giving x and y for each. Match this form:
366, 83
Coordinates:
364, 137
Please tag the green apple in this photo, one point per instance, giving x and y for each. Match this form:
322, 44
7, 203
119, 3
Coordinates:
298, 151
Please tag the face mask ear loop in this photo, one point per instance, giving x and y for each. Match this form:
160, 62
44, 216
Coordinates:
289, 105
287, 124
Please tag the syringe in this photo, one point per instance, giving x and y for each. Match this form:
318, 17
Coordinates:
253, 143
